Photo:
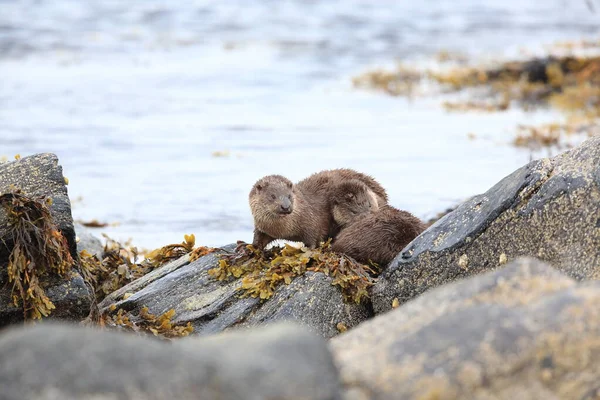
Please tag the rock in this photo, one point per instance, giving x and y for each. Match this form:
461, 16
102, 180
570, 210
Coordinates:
546, 209
40, 175
87, 241
52, 361
213, 306
522, 332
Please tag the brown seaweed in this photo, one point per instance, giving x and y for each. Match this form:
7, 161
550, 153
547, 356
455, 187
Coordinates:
160, 326
39, 249
569, 84
263, 272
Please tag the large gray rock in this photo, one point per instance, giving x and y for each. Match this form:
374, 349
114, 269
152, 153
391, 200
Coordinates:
522, 332
62, 362
213, 306
41, 175
548, 209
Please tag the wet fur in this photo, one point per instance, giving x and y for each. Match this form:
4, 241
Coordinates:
308, 222
326, 180
351, 199
378, 236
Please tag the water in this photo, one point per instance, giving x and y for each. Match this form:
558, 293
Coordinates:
135, 97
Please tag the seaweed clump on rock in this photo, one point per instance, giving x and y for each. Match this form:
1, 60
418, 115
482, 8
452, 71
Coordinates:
38, 250
160, 326
263, 272
118, 266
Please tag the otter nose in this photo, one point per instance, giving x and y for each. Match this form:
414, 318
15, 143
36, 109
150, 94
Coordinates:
286, 205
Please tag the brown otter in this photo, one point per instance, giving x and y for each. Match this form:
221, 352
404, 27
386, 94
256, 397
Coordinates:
350, 199
304, 211
328, 179
281, 210
378, 236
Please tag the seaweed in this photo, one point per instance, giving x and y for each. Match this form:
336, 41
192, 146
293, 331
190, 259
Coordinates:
39, 250
262, 273
546, 135
201, 251
401, 82
160, 326
119, 264
568, 84
94, 224
171, 251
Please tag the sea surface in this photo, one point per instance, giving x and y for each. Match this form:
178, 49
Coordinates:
164, 113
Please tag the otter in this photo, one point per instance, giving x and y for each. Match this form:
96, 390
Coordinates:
281, 210
328, 179
305, 211
350, 199
378, 236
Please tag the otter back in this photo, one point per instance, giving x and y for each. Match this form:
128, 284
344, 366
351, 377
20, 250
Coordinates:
378, 236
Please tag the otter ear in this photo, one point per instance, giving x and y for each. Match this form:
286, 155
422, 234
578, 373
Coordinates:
259, 187
289, 185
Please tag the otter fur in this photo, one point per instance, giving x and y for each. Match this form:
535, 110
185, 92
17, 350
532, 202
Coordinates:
305, 211
350, 199
327, 180
378, 236
281, 210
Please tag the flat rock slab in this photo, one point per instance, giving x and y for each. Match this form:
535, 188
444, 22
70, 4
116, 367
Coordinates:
213, 306
549, 209
522, 332
67, 362
41, 175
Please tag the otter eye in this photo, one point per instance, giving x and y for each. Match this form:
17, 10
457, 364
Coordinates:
273, 196
289, 197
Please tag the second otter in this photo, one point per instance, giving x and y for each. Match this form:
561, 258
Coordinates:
349, 200
378, 236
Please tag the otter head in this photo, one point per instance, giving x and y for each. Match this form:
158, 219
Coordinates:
272, 196
352, 199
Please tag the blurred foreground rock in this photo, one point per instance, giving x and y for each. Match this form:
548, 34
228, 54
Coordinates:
41, 175
548, 209
56, 362
213, 306
523, 332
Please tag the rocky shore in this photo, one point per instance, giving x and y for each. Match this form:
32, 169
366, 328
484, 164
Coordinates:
496, 300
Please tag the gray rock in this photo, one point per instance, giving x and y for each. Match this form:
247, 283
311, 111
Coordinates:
87, 241
546, 209
212, 306
40, 175
522, 332
56, 362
